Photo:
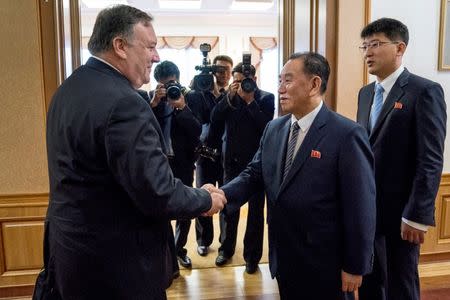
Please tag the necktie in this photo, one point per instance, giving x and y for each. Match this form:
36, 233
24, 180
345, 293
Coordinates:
376, 106
291, 148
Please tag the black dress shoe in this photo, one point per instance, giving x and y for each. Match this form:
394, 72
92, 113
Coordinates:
250, 268
221, 260
202, 250
185, 261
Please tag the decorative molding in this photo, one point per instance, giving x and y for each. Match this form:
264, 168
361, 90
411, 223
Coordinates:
75, 38
367, 16
287, 28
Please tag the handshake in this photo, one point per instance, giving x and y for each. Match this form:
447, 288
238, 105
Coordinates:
218, 199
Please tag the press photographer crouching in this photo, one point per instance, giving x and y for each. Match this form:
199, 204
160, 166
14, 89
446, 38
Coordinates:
245, 110
181, 131
207, 89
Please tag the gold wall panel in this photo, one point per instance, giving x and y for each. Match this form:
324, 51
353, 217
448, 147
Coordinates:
445, 219
22, 245
22, 114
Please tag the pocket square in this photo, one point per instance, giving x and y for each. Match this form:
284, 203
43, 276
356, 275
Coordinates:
316, 154
398, 105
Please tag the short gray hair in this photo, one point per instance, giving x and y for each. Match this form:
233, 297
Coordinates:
117, 20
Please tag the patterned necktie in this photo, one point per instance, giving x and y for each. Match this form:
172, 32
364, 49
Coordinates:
376, 106
291, 148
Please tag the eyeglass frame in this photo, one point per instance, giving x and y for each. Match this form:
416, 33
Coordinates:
371, 45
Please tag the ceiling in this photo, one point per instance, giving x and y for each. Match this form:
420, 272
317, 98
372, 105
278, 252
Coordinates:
206, 6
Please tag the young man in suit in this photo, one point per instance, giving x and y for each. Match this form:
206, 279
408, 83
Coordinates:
181, 131
208, 171
316, 168
405, 117
245, 113
112, 192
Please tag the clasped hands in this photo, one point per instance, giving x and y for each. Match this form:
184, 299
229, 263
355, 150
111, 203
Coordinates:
218, 199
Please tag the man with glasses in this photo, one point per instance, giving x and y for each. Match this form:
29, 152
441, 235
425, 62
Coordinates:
405, 117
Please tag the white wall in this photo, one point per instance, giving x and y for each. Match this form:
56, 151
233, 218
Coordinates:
422, 18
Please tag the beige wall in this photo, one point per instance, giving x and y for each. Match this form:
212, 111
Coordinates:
350, 64
23, 165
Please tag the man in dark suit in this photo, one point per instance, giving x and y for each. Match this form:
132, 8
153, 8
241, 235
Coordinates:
209, 171
405, 116
181, 131
112, 192
316, 168
245, 112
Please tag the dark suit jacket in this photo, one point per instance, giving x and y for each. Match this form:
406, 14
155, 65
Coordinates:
244, 125
112, 192
321, 218
184, 134
408, 144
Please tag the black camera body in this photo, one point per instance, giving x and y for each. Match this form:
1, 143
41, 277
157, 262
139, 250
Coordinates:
174, 90
205, 80
207, 152
248, 85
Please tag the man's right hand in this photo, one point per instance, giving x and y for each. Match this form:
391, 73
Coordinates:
218, 199
160, 92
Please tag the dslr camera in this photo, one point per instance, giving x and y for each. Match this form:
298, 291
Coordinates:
205, 80
248, 85
207, 152
174, 90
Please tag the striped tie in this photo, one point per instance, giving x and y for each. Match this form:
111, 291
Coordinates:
291, 148
376, 106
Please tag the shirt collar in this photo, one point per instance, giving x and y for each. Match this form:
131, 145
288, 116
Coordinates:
389, 81
305, 122
105, 62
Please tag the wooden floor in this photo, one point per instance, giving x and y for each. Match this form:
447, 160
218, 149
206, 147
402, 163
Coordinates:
224, 283
232, 283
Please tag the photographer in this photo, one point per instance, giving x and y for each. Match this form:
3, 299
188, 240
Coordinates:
181, 131
202, 102
245, 110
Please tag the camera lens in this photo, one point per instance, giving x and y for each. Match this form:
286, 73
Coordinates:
173, 92
248, 85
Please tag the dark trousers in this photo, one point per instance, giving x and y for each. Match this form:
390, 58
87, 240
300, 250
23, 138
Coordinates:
207, 172
186, 175
253, 239
291, 287
395, 275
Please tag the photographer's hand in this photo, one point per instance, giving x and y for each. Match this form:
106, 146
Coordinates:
180, 103
233, 89
160, 92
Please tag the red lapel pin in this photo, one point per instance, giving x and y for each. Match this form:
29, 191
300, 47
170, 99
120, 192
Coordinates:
315, 154
398, 105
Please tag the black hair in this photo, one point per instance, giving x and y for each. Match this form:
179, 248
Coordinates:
238, 68
316, 65
114, 21
166, 69
393, 29
224, 58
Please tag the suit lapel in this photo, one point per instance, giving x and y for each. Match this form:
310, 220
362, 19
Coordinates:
394, 95
365, 106
314, 135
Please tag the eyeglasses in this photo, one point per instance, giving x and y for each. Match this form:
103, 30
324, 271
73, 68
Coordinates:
374, 45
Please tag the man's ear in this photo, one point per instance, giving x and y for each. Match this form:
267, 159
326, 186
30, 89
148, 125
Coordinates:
119, 45
401, 48
316, 82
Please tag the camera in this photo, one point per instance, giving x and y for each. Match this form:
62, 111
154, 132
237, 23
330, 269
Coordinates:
174, 90
248, 85
205, 80
208, 152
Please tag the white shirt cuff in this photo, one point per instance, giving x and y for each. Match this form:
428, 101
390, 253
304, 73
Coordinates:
416, 225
